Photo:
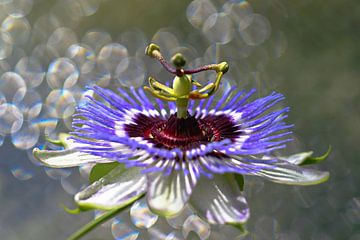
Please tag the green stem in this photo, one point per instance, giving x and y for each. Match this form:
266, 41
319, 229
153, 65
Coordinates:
96, 222
182, 108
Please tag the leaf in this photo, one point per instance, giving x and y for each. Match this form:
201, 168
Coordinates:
101, 169
240, 181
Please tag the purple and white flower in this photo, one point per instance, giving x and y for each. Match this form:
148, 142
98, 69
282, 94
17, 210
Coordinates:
174, 161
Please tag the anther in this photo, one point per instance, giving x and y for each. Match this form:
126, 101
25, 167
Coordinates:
151, 48
223, 67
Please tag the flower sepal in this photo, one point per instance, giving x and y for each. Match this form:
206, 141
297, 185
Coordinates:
306, 158
68, 156
118, 188
62, 141
75, 211
241, 227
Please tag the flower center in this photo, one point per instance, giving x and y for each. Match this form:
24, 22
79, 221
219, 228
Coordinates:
182, 133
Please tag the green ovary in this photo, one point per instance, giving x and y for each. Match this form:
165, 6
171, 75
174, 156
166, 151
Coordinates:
182, 87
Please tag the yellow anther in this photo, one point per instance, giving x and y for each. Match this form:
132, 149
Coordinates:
223, 67
151, 48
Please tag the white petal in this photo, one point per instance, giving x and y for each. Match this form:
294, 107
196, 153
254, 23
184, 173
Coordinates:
167, 195
196, 228
287, 173
115, 189
66, 158
220, 200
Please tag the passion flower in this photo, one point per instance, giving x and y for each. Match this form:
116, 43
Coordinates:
181, 151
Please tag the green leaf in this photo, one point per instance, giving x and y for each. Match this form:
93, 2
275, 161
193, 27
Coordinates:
240, 181
314, 160
101, 169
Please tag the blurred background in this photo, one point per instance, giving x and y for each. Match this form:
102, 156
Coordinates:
307, 50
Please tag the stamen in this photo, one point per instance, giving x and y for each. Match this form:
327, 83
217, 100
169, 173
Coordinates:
221, 67
182, 90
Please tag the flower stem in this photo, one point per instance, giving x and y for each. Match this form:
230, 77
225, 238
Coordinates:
96, 222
